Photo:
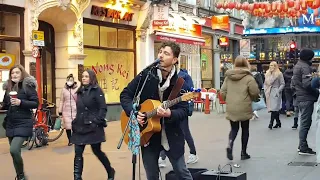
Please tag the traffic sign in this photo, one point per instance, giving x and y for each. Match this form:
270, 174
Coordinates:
35, 52
38, 35
38, 38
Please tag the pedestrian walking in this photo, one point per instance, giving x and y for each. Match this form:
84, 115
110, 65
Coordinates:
88, 126
273, 87
239, 89
19, 99
288, 90
67, 107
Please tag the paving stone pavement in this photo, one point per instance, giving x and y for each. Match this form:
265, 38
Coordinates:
271, 151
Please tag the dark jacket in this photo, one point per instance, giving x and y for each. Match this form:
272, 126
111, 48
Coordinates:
301, 80
257, 76
188, 83
179, 112
187, 86
19, 120
91, 113
287, 78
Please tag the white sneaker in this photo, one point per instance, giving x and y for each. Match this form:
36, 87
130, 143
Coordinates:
162, 163
256, 114
192, 159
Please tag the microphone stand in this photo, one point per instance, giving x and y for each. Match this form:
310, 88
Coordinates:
135, 109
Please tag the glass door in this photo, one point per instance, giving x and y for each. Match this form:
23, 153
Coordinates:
191, 62
48, 62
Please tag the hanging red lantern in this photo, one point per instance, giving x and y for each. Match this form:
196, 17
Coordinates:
309, 3
256, 5
245, 6
238, 6
290, 3
219, 5
273, 6
298, 14
304, 12
280, 7
251, 7
297, 5
303, 5
285, 7
231, 5
316, 4
262, 5
268, 8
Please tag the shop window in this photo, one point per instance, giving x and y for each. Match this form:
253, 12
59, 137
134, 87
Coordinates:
114, 69
91, 35
206, 64
125, 39
108, 37
9, 24
10, 49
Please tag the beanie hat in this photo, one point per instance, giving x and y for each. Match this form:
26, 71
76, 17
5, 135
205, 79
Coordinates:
306, 54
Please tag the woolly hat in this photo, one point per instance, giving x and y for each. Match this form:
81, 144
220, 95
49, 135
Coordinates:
306, 54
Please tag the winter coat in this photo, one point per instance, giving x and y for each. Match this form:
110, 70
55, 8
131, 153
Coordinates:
287, 78
273, 87
179, 112
188, 83
257, 76
239, 89
19, 119
67, 107
88, 126
302, 82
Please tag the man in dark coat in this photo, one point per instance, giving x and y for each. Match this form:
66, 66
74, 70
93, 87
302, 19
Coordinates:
305, 97
171, 137
287, 89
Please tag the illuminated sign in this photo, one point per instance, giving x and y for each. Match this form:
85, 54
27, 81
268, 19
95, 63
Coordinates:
224, 41
110, 13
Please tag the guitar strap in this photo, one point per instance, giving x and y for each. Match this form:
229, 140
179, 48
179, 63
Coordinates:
176, 89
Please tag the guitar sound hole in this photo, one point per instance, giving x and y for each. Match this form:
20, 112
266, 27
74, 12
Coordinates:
143, 127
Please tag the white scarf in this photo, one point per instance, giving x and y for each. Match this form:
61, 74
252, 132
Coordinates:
164, 139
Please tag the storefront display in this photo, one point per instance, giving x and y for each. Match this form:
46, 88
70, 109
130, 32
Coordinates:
111, 55
11, 40
206, 62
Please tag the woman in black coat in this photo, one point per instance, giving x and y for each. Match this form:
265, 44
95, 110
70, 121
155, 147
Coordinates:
88, 127
18, 122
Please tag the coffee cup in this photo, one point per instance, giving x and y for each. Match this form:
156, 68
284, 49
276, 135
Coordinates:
13, 94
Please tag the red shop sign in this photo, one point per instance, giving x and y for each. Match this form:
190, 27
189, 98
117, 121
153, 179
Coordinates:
178, 40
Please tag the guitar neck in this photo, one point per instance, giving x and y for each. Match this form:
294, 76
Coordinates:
165, 105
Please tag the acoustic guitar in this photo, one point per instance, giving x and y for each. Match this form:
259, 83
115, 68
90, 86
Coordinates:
152, 124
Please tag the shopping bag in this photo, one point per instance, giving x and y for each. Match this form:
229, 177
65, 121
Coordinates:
256, 106
57, 124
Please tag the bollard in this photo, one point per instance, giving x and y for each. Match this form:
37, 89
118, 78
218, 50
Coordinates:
207, 105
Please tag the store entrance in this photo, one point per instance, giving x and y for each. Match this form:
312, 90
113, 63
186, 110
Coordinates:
48, 62
191, 62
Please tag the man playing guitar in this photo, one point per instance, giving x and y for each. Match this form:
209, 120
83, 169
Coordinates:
171, 137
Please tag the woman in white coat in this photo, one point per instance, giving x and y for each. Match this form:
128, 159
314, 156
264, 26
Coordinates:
273, 85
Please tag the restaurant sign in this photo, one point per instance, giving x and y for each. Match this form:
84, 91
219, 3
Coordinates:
111, 13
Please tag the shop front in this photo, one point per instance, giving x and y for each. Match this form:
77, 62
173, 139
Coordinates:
11, 45
110, 46
188, 35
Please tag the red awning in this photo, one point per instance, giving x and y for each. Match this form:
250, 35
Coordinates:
162, 36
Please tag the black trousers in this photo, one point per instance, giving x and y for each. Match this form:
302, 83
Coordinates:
244, 136
96, 149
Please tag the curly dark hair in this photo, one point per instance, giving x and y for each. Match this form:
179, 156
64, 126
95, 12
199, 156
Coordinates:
174, 47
